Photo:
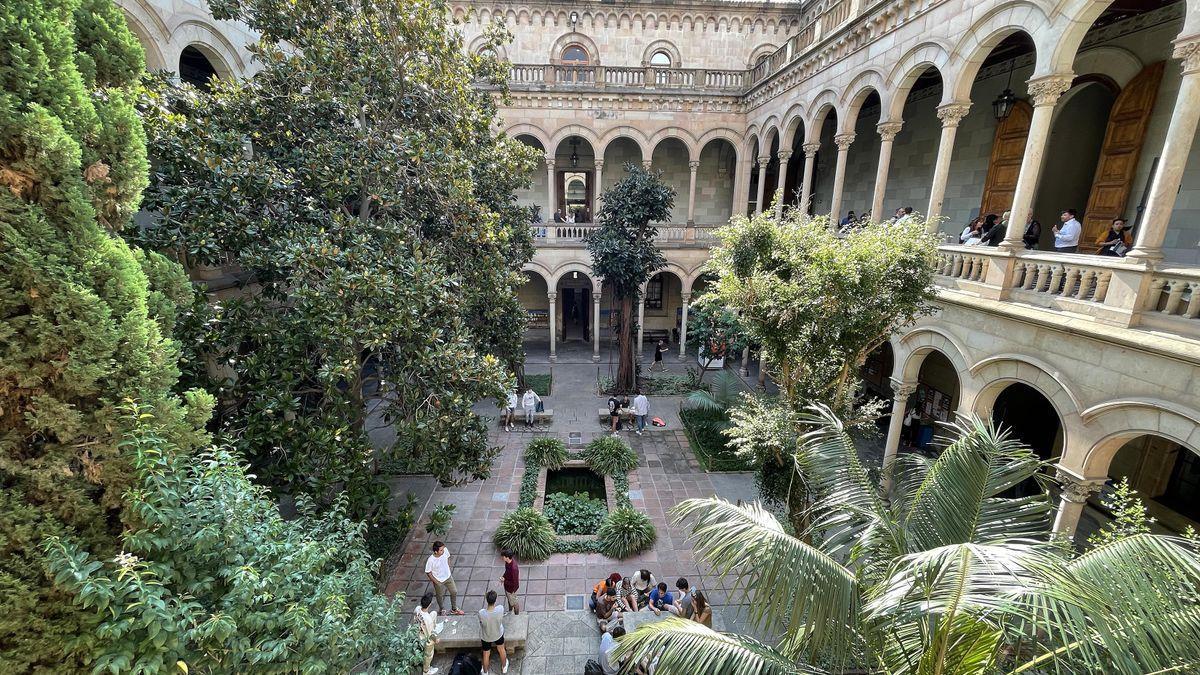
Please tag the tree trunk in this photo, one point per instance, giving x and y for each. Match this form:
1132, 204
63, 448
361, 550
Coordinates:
625, 365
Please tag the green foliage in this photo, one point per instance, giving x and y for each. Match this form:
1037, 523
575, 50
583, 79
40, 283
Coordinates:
527, 533
705, 429
626, 532
1129, 516
546, 451
529, 486
720, 397
578, 546
621, 487
608, 455
670, 384
715, 329
623, 251
383, 536
386, 264
539, 382
440, 520
574, 514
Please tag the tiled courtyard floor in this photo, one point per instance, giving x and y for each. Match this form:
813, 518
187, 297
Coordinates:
560, 641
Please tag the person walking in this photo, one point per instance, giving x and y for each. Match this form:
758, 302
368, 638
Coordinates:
1066, 236
529, 403
659, 350
426, 620
511, 580
437, 568
491, 633
510, 410
641, 408
1116, 241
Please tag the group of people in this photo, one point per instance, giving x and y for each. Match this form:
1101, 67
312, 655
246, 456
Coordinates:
528, 402
641, 411
491, 617
852, 221
989, 230
579, 215
615, 596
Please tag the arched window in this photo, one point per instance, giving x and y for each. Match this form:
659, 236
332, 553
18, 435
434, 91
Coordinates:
195, 68
762, 59
661, 59
575, 55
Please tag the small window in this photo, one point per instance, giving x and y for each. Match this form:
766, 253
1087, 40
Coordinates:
574, 55
654, 293
661, 59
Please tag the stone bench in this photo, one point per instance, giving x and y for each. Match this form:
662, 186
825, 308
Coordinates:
544, 417
462, 632
631, 620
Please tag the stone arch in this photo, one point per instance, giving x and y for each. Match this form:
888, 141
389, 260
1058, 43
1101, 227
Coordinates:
533, 130
150, 31
673, 268
1119, 65
856, 94
206, 38
665, 46
911, 349
575, 38
539, 269
566, 268
1021, 16
822, 105
765, 49
931, 54
481, 41
793, 121
694, 276
1072, 25
769, 135
1117, 422
630, 133
1028, 370
572, 130
682, 135
735, 139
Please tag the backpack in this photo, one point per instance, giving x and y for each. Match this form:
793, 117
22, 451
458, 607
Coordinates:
593, 667
465, 664
612, 404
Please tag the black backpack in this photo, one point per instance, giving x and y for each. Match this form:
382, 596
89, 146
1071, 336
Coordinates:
592, 667
465, 664
613, 404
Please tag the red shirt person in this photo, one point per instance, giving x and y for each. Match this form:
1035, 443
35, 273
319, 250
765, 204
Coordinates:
511, 579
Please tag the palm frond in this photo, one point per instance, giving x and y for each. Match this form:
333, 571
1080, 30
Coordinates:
702, 400
681, 647
791, 584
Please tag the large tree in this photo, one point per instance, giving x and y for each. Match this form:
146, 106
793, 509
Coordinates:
357, 186
624, 254
942, 576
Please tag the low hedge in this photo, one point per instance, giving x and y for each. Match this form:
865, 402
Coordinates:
711, 447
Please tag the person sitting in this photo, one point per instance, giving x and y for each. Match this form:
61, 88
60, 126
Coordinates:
661, 599
608, 606
701, 610
642, 582
602, 588
629, 597
608, 642
683, 599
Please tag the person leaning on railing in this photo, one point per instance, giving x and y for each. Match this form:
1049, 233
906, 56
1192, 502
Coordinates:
1116, 242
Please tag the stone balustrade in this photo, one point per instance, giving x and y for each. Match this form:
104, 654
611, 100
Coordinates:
527, 75
673, 234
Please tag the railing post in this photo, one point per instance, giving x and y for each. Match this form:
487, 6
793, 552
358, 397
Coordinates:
700, 78
601, 76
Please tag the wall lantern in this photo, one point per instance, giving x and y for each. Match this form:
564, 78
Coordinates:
574, 19
1002, 107
574, 151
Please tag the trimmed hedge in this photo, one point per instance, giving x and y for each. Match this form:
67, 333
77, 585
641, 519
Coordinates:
711, 447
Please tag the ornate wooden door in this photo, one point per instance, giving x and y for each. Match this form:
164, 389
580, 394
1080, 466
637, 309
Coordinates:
1008, 149
1119, 155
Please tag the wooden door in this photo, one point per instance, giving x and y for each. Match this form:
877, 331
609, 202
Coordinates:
1119, 155
1008, 149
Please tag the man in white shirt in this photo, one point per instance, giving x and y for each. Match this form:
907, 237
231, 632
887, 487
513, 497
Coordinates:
437, 568
529, 401
641, 408
426, 620
608, 642
510, 409
1066, 237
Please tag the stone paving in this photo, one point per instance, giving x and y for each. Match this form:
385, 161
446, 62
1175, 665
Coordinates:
560, 641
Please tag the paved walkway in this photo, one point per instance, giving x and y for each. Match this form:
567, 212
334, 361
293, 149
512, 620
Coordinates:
560, 641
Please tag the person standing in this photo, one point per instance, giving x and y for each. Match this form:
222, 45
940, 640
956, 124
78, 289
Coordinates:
614, 413
1033, 233
972, 232
641, 408
659, 350
529, 403
511, 580
510, 410
1066, 236
437, 568
491, 632
993, 231
558, 217
426, 620
1116, 242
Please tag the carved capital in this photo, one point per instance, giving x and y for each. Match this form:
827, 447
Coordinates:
552, 296
953, 113
1047, 90
1188, 51
646, 164
902, 390
784, 155
596, 297
843, 141
599, 164
763, 161
549, 162
685, 297
1077, 490
810, 149
693, 165
888, 130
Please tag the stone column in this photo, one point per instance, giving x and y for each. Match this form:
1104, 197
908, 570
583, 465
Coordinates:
762, 182
596, 326
599, 186
550, 191
687, 299
950, 115
901, 391
762, 368
784, 156
692, 167
741, 189
1075, 493
810, 159
553, 298
641, 300
744, 370
1180, 135
646, 164
842, 141
887, 134
1044, 92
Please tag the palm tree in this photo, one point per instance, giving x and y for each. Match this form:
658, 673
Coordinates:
723, 393
942, 575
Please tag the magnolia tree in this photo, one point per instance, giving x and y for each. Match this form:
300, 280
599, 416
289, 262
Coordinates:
818, 303
624, 253
357, 186
715, 330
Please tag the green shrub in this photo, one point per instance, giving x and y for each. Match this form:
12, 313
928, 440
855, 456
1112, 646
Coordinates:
385, 535
578, 546
540, 383
440, 520
546, 451
529, 486
704, 429
574, 514
527, 533
609, 456
621, 491
626, 532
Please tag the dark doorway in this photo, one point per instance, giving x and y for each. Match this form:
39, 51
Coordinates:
1028, 417
576, 314
195, 68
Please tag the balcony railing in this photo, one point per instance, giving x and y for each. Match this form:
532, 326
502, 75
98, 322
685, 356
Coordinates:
527, 75
572, 234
